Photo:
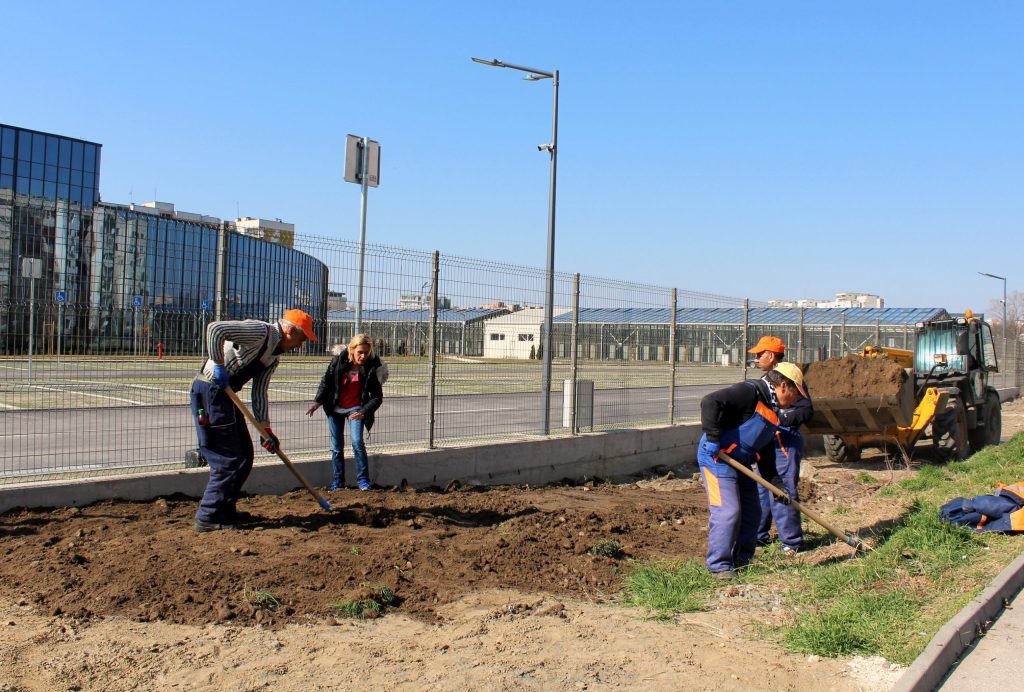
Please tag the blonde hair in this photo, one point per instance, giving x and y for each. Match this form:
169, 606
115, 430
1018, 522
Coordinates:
357, 341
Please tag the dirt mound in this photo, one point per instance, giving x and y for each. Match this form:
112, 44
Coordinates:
145, 562
854, 376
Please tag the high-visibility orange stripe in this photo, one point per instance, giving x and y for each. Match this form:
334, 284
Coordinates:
728, 450
1017, 520
714, 492
766, 413
778, 436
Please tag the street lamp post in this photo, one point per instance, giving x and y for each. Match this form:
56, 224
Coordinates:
1003, 279
549, 302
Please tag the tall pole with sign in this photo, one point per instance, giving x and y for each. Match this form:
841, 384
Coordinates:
362, 166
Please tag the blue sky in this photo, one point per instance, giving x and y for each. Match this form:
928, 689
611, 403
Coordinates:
759, 149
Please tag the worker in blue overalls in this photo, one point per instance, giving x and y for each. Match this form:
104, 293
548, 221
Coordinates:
741, 420
769, 353
240, 351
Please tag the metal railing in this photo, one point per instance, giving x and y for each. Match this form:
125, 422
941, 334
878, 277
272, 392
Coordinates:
463, 338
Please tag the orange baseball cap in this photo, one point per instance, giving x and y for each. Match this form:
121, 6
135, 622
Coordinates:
769, 343
302, 320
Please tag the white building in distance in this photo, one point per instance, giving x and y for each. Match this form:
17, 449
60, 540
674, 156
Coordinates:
276, 231
516, 335
842, 300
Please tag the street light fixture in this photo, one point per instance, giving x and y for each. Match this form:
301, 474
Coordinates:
533, 75
1003, 279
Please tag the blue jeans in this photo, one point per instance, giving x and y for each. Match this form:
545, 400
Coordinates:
336, 424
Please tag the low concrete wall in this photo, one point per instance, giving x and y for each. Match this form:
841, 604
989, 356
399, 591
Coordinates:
532, 462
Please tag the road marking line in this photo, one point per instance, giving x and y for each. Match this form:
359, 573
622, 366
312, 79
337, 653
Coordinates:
98, 396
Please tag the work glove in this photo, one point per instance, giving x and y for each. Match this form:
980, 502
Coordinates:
777, 482
711, 448
220, 375
270, 443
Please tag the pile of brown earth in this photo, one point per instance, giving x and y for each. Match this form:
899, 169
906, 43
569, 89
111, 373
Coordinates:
854, 376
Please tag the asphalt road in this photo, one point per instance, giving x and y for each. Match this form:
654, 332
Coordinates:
134, 435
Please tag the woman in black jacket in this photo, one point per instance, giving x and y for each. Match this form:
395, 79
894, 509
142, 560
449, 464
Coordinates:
350, 392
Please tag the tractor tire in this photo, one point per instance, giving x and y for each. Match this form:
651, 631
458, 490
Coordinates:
949, 431
838, 451
989, 432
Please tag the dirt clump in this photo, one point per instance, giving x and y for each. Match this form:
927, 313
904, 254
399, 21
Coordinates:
854, 376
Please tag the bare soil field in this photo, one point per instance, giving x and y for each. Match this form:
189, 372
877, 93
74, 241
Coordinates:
494, 588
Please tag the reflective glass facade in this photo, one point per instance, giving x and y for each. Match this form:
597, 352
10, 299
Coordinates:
118, 280
39, 164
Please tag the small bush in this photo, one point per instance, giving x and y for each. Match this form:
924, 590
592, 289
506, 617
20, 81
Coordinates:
367, 604
261, 600
610, 548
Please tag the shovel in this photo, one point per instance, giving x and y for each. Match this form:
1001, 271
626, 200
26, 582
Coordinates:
845, 536
284, 457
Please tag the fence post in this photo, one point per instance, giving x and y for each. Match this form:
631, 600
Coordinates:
573, 341
672, 362
745, 340
432, 386
800, 337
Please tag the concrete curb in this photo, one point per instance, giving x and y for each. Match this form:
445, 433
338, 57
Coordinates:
931, 667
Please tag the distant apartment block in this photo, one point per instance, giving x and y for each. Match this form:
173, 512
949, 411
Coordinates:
842, 300
276, 231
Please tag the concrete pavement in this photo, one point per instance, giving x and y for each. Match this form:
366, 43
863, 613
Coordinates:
981, 640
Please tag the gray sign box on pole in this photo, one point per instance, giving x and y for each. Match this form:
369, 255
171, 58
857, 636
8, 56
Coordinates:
31, 267
354, 161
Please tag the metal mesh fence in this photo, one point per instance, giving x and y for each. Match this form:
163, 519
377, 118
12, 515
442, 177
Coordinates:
100, 340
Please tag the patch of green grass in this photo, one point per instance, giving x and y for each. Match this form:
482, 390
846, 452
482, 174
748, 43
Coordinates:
669, 589
354, 550
866, 478
261, 600
382, 598
855, 623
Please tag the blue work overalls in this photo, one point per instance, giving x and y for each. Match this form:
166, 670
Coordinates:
224, 441
789, 450
732, 497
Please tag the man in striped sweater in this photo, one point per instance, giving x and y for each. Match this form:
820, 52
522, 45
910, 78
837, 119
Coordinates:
240, 351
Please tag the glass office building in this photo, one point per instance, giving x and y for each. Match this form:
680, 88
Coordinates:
84, 276
39, 164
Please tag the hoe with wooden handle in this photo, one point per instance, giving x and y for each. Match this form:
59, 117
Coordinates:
284, 457
844, 536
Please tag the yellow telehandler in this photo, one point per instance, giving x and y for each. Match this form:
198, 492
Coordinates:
945, 395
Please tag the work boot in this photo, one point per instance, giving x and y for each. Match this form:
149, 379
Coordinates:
204, 526
727, 575
364, 485
789, 551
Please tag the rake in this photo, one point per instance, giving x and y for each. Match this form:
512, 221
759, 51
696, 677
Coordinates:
324, 504
845, 536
